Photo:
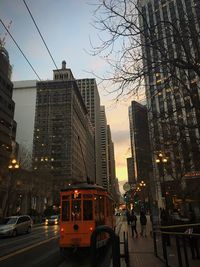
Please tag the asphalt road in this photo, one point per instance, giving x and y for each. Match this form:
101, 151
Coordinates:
39, 248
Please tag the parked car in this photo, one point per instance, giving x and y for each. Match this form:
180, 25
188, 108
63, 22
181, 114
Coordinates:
52, 220
14, 225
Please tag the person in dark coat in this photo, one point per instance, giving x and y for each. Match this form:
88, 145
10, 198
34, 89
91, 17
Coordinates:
133, 223
143, 222
164, 222
128, 216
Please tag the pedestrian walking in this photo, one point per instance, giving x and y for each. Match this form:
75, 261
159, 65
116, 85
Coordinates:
143, 223
128, 216
133, 223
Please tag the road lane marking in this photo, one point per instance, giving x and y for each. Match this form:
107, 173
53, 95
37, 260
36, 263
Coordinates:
26, 249
24, 237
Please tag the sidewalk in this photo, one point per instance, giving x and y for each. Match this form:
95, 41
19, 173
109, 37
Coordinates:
141, 250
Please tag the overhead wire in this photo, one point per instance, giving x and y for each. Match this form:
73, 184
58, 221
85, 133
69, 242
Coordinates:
40, 33
7, 30
20, 49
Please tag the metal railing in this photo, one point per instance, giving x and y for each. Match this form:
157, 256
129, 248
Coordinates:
179, 245
114, 241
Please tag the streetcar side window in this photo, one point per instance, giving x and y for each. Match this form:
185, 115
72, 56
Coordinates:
87, 210
107, 207
96, 203
65, 210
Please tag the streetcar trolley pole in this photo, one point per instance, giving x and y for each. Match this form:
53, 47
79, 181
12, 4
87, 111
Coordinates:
114, 241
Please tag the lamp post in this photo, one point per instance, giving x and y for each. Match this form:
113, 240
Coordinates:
13, 165
161, 160
142, 186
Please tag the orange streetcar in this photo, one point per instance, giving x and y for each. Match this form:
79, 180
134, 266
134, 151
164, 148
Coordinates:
84, 206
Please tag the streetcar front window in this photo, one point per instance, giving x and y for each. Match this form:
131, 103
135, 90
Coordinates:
76, 210
76, 194
87, 210
65, 211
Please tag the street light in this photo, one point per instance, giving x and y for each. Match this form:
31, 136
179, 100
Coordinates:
142, 184
14, 165
138, 189
161, 160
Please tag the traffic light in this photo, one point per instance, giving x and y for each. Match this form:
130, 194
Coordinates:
126, 198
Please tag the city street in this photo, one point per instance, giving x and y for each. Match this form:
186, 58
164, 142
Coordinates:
39, 248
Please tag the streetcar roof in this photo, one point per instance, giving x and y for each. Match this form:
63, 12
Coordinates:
83, 185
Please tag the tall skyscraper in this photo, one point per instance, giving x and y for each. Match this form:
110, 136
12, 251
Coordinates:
8, 145
90, 95
111, 162
24, 95
170, 50
140, 144
104, 150
130, 170
63, 134
7, 106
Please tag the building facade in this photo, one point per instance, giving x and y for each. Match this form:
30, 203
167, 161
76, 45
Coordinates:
172, 77
90, 95
111, 163
63, 134
104, 150
130, 170
7, 106
8, 145
24, 95
140, 143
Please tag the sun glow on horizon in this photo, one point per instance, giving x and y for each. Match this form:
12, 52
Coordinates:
121, 173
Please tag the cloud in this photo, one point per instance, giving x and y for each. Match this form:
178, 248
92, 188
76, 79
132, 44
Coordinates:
97, 64
120, 136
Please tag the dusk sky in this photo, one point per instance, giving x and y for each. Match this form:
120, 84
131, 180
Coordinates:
66, 28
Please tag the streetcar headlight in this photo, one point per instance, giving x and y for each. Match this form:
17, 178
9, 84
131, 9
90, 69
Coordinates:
75, 227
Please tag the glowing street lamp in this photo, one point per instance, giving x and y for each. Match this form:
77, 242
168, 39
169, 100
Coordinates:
142, 184
138, 189
13, 165
161, 160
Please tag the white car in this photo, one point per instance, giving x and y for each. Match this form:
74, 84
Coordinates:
14, 225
